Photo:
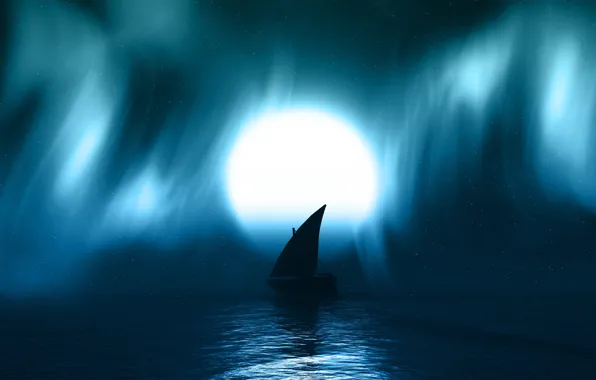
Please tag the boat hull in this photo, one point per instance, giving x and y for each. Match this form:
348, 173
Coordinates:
317, 286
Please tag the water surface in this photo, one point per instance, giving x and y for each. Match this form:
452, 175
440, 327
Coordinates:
186, 339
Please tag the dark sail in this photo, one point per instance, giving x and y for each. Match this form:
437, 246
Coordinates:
300, 256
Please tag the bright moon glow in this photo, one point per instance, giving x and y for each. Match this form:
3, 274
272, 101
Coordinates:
284, 166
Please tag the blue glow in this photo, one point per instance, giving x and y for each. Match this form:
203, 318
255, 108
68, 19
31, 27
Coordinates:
566, 134
139, 205
85, 129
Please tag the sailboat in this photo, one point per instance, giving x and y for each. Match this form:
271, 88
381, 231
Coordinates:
295, 272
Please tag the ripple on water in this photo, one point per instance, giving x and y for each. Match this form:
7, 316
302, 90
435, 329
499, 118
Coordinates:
262, 340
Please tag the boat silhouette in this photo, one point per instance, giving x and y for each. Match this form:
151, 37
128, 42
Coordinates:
295, 272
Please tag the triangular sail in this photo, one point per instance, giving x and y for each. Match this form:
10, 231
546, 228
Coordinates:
300, 256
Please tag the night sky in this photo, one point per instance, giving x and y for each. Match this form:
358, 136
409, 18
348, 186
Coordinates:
118, 118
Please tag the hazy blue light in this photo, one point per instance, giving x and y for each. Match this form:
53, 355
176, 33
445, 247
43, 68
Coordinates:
138, 205
83, 135
567, 123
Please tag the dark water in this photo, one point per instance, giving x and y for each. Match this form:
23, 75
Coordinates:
184, 339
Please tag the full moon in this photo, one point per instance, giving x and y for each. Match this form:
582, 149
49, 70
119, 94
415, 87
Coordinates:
285, 165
